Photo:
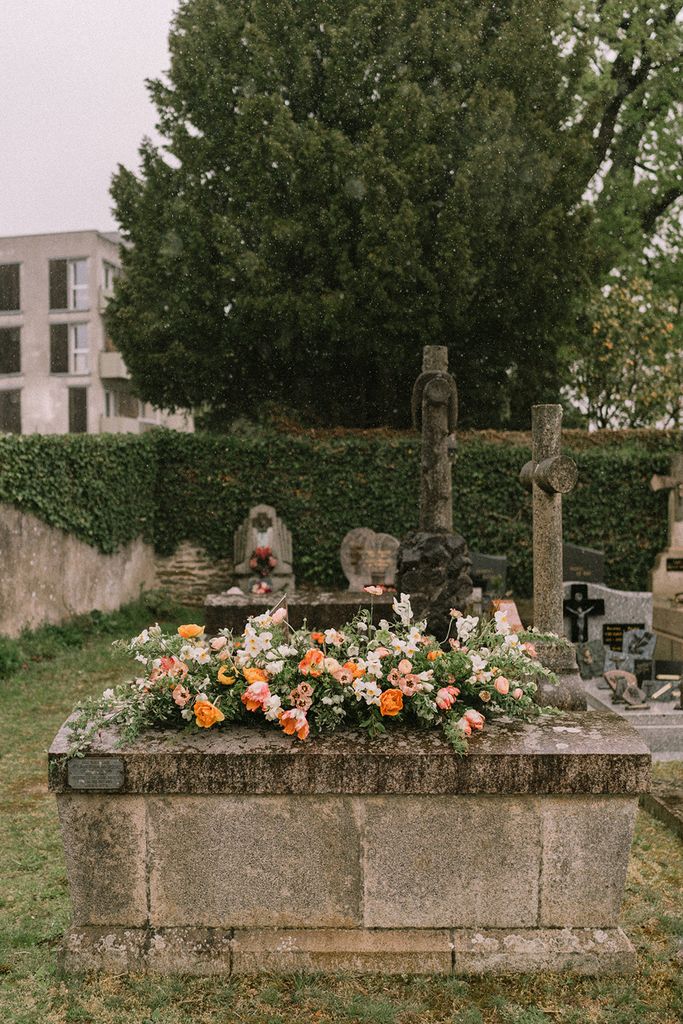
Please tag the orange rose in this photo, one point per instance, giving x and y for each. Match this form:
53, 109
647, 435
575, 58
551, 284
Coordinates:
255, 675
433, 655
311, 663
224, 676
391, 702
207, 714
353, 668
187, 632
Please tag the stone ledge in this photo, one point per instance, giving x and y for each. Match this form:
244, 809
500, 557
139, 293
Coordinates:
575, 752
212, 951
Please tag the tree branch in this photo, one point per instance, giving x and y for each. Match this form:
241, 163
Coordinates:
658, 206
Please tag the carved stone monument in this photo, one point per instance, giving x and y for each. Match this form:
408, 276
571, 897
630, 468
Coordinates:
548, 476
667, 574
433, 561
368, 558
263, 552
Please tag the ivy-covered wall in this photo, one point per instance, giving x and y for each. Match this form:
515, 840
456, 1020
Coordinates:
172, 487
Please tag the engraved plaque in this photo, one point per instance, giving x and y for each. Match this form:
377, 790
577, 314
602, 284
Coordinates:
613, 633
95, 773
674, 565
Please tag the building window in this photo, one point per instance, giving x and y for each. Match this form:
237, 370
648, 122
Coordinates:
10, 412
10, 301
10, 350
120, 402
69, 284
110, 273
69, 352
78, 410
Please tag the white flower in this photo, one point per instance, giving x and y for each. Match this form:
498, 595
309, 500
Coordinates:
367, 690
201, 655
287, 651
502, 624
186, 713
374, 664
108, 694
141, 639
353, 651
413, 641
141, 658
334, 638
465, 625
384, 624
273, 667
185, 652
403, 610
362, 627
511, 640
271, 707
425, 677
155, 630
397, 644
478, 664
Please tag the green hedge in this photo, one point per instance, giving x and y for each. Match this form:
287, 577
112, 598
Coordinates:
171, 487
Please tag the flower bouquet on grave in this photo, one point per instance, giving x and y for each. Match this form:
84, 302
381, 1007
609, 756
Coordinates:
307, 683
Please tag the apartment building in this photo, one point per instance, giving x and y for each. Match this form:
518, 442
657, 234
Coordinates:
59, 371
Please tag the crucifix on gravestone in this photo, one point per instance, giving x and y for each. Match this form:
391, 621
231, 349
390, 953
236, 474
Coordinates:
580, 607
548, 476
435, 409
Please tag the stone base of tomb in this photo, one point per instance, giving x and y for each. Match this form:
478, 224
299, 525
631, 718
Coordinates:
667, 622
242, 850
318, 609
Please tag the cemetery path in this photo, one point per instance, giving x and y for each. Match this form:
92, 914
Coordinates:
34, 913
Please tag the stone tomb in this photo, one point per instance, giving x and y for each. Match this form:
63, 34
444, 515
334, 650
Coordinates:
242, 850
607, 614
263, 529
368, 558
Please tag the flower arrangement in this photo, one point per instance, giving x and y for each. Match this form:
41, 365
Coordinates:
263, 561
306, 683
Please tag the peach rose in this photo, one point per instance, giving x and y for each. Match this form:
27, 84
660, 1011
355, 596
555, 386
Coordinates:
207, 714
517, 692
190, 630
475, 718
224, 676
218, 643
180, 695
255, 675
294, 721
255, 696
502, 685
390, 703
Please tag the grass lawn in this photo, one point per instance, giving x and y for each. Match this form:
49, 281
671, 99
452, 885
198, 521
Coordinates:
34, 912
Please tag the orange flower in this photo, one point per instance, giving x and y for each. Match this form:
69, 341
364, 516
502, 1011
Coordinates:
254, 675
353, 668
318, 638
207, 714
433, 655
224, 676
189, 631
391, 702
294, 721
311, 663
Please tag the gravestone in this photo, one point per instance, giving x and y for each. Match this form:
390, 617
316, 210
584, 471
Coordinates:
667, 574
548, 476
368, 558
261, 539
591, 659
585, 564
433, 562
622, 610
578, 608
490, 573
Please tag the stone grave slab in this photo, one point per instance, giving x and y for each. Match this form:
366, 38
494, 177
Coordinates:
584, 564
368, 558
620, 611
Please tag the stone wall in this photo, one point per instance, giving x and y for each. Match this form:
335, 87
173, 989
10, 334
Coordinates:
49, 575
189, 574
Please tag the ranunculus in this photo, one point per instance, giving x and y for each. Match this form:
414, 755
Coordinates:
294, 721
311, 663
207, 714
475, 718
218, 643
255, 696
502, 685
224, 676
255, 675
390, 703
517, 692
180, 695
190, 630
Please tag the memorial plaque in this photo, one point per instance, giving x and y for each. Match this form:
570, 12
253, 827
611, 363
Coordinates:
489, 572
584, 564
95, 773
674, 565
613, 633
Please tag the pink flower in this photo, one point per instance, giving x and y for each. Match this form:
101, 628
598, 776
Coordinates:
375, 591
502, 685
279, 615
218, 643
382, 652
173, 667
344, 676
332, 666
405, 666
517, 692
393, 677
181, 695
446, 697
475, 719
294, 721
465, 726
530, 650
255, 696
409, 684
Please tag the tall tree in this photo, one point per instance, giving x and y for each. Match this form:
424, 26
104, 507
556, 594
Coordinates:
344, 181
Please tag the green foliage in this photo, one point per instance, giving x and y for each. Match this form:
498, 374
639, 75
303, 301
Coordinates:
10, 657
171, 487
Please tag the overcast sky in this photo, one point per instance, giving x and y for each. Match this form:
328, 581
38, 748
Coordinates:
73, 104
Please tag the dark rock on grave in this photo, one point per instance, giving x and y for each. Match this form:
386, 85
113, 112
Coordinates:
433, 569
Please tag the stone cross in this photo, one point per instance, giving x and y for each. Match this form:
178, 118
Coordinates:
674, 485
435, 407
548, 476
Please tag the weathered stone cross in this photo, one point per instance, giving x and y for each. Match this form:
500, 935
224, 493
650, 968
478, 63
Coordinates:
674, 485
435, 404
548, 476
